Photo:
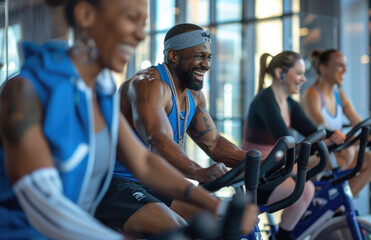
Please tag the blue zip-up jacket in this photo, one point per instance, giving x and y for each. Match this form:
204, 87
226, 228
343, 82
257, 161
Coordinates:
123, 172
68, 127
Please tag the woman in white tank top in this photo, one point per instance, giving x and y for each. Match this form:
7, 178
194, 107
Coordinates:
326, 104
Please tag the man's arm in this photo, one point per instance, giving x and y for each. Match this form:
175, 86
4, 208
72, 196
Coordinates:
162, 177
153, 171
149, 98
203, 131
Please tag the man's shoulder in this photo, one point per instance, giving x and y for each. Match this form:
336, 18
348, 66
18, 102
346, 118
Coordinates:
144, 79
146, 85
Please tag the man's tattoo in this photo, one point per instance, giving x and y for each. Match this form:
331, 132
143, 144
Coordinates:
19, 110
194, 131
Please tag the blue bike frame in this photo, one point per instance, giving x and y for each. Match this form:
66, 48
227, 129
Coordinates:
324, 204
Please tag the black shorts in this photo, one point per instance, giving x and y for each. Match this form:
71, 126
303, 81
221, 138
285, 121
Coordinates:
263, 196
122, 199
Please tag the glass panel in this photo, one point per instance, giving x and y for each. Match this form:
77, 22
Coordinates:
2, 44
206, 89
142, 55
296, 43
147, 27
198, 12
231, 130
228, 10
268, 40
195, 153
28, 21
316, 32
295, 6
268, 8
296, 33
228, 100
165, 14
13, 63
160, 47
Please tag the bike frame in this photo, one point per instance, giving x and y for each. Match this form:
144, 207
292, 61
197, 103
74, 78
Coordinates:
324, 204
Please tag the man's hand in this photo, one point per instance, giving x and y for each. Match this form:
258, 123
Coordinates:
213, 172
249, 218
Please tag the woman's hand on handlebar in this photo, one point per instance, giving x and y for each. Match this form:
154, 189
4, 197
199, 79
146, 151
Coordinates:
211, 173
336, 138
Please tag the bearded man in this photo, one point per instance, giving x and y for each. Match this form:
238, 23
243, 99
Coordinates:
162, 104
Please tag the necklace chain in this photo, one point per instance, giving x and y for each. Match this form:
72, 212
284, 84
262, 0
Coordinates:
178, 112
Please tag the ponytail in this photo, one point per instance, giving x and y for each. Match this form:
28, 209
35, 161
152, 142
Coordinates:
318, 57
263, 70
284, 60
314, 60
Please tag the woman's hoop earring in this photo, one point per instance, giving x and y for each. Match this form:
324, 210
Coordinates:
85, 48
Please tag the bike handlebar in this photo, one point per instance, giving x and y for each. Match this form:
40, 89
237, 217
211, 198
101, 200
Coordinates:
282, 145
323, 159
228, 179
205, 226
300, 180
350, 139
316, 139
276, 175
361, 152
232, 221
252, 172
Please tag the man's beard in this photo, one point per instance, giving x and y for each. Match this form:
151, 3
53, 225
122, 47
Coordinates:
187, 79
193, 84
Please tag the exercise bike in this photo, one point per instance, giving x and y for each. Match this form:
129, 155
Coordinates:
273, 172
318, 221
247, 173
206, 226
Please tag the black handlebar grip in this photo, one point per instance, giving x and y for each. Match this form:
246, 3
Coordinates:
317, 136
361, 152
290, 161
303, 157
300, 180
323, 159
205, 226
252, 167
227, 179
281, 146
364, 123
232, 221
350, 136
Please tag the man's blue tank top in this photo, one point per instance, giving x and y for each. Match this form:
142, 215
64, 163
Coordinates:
123, 172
